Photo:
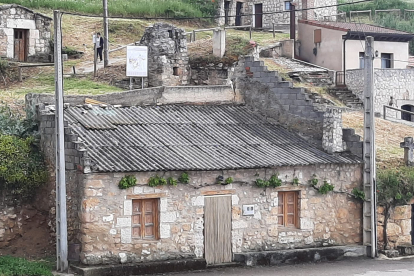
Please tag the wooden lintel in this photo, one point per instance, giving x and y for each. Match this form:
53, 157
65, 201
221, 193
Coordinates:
145, 196
219, 192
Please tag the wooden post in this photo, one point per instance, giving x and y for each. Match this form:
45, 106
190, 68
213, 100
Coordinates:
95, 59
20, 74
274, 34
251, 31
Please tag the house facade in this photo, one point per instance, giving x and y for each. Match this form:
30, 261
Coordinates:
222, 160
24, 34
263, 13
339, 46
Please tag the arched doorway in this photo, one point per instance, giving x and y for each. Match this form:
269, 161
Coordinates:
406, 116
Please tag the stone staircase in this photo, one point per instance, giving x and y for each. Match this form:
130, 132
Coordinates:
346, 97
317, 78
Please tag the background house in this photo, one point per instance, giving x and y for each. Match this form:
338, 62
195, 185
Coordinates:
340, 46
245, 12
24, 34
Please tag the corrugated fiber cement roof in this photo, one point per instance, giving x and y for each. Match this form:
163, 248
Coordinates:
165, 138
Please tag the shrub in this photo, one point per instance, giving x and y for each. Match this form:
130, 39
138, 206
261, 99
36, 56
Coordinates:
22, 169
12, 266
184, 178
127, 181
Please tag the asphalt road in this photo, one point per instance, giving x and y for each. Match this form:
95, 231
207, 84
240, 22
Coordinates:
353, 266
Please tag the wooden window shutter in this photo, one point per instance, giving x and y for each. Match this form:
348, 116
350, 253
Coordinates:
317, 36
145, 219
288, 209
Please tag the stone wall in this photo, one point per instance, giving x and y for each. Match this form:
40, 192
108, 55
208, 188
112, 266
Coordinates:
211, 74
167, 55
396, 83
398, 227
38, 26
333, 219
332, 131
280, 18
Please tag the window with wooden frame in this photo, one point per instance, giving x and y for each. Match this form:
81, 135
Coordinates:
288, 214
145, 219
317, 36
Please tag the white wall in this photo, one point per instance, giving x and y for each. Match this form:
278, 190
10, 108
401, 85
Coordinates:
329, 51
398, 49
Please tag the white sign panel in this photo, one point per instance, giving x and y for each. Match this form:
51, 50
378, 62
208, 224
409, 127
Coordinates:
137, 61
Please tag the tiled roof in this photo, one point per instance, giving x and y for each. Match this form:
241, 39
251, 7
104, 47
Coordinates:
353, 27
166, 138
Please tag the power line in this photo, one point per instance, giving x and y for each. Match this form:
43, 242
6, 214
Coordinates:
214, 17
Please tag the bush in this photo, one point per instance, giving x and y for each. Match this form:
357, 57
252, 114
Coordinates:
12, 123
12, 266
22, 168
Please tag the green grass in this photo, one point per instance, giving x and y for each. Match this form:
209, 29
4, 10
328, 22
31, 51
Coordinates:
12, 266
173, 8
82, 86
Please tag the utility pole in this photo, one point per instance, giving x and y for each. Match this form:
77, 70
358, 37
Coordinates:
370, 204
106, 33
61, 221
292, 21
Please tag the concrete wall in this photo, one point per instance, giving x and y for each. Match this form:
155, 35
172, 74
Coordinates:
329, 51
333, 219
148, 96
398, 83
38, 26
398, 49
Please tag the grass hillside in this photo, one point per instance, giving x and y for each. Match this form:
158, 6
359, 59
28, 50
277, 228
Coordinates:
154, 8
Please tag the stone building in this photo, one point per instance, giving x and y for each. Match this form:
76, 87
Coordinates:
263, 13
24, 34
226, 144
167, 52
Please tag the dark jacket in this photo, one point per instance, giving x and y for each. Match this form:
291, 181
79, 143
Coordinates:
101, 42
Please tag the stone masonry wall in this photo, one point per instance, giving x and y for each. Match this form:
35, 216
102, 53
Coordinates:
398, 227
332, 131
396, 83
283, 18
167, 55
38, 26
333, 219
210, 74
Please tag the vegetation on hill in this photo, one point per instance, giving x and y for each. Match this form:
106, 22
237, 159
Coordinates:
147, 8
12, 266
375, 5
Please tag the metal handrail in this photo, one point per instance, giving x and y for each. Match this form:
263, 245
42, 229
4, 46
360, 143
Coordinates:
397, 109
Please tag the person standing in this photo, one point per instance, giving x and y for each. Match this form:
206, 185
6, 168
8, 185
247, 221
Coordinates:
99, 45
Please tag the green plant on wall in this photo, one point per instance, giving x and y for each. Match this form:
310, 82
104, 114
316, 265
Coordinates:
157, 181
171, 181
295, 181
184, 178
127, 181
274, 181
262, 183
358, 193
314, 181
228, 180
326, 187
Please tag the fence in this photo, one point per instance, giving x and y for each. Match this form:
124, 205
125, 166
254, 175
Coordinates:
405, 114
340, 78
357, 12
250, 27
398, 11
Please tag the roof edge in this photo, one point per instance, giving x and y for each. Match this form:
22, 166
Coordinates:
317, 24
10, 6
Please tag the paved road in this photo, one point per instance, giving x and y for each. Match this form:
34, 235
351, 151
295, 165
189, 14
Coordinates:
348, 267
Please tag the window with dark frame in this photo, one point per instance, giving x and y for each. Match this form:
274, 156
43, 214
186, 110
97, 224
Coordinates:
288, 214
175, 71
287, 5
361, 60
386, 61
145, 219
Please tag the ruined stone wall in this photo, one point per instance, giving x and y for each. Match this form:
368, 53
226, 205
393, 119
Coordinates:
333, 219
167, 55
210, 74
396, 83
332, 130
398, 227
38, 26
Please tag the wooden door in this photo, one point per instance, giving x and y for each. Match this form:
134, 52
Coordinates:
226, 12
20, 44
239, 8
217, 229
258, 10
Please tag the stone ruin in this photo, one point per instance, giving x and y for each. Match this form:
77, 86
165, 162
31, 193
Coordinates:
167, 55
